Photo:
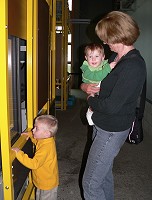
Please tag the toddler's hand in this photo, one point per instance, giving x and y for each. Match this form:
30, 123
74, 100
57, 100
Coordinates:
16, 149
113, 64
26, 134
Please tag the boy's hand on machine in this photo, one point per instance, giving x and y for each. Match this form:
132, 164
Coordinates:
25, 134
16, 149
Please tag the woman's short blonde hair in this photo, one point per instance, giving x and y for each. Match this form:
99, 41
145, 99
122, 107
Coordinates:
117, 27
50, 122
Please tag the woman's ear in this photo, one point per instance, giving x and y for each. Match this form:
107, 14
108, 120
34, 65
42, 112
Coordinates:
86, 57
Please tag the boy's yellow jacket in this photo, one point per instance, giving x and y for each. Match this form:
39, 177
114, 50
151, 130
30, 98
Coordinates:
44, 163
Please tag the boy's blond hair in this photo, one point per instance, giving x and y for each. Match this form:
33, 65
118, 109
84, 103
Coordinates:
93, 47
50, 121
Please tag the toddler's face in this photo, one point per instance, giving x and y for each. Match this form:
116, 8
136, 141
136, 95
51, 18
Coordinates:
94, 58
39, 130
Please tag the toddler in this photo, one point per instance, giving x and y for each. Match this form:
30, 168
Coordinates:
95, 69
44, 163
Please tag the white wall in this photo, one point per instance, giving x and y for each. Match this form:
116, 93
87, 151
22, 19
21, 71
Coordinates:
143, 15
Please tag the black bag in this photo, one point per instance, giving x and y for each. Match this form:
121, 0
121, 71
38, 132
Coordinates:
136, 131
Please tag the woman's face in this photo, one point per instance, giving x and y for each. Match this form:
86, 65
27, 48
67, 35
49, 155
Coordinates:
118, 47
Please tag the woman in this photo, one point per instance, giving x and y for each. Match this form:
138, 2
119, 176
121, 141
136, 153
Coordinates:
114, 109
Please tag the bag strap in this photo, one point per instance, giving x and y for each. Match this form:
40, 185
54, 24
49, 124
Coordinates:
141, 106
142, 101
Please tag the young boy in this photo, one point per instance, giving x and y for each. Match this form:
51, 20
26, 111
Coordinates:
44, 163
95, 69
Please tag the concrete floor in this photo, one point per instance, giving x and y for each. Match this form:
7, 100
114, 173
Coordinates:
132, 167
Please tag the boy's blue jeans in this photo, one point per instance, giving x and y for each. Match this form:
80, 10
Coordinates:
98, 178
46, 194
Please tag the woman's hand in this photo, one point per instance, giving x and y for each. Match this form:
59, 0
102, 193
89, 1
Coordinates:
90, 88
90, 95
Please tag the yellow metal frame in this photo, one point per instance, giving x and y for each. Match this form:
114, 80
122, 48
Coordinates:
53, 51
62, 56
4, 113
64, 48
30, 113
65, 55
32, 91
35, 58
